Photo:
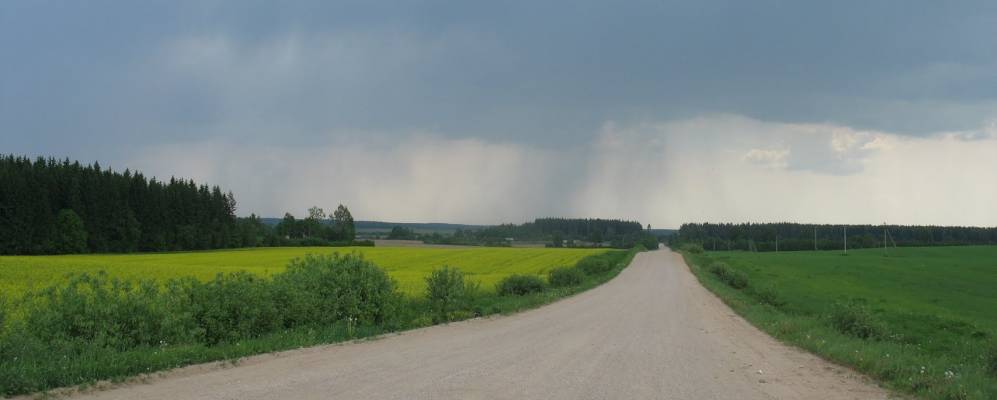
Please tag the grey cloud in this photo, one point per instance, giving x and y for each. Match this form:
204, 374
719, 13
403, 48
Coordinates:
535, 72
416, 178
179, 86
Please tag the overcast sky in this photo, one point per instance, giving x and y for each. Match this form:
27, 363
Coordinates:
487, 112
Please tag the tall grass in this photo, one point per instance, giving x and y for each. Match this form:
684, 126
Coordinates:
96, 327
733, 278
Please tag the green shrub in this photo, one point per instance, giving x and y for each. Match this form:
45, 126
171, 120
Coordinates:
565, 276
856, 320
422, 321
601, 264
693, 248
733, 278
768, 296
325, 289
448, 292
180, 324
519, 285
594, 265
96, 309
233, 306
26, 363
110, 313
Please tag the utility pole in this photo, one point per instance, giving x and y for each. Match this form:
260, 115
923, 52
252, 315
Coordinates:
776, 243
815, 237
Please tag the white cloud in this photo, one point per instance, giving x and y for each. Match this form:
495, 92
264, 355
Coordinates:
770, 158
731, 168
713, 168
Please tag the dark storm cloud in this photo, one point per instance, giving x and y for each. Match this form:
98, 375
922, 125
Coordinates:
90, 73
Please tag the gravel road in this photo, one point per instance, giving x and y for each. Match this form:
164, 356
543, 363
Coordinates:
651, 333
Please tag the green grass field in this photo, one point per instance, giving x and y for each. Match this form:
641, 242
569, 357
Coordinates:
929, 315
409, 266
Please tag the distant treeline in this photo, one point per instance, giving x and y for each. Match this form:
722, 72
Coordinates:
314, 230
49, 206
591, 230
376, 229
557, 232
792, 236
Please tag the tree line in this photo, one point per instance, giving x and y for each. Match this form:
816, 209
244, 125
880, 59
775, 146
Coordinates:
594, 230
794, 236
558, 232
50, 206
315, 229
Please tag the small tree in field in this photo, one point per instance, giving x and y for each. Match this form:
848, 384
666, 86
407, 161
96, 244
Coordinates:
344, 223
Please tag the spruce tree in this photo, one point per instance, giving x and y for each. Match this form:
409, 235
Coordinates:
72, 236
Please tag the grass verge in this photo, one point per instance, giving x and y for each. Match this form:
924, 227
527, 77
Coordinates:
931, 355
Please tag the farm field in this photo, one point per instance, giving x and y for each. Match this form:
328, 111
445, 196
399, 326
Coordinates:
922, 320
409, 266
92, 329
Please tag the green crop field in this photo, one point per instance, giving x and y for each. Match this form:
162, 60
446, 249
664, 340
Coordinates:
923, 320
409, 266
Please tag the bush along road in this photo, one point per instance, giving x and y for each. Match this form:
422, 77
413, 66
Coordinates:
97, 328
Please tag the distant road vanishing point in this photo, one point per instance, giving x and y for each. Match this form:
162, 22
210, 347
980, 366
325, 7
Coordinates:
651, 333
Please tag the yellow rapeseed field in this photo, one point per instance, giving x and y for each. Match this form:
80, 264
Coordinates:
408, 265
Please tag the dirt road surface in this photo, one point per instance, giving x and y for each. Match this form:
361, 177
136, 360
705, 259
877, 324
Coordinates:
651, 333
